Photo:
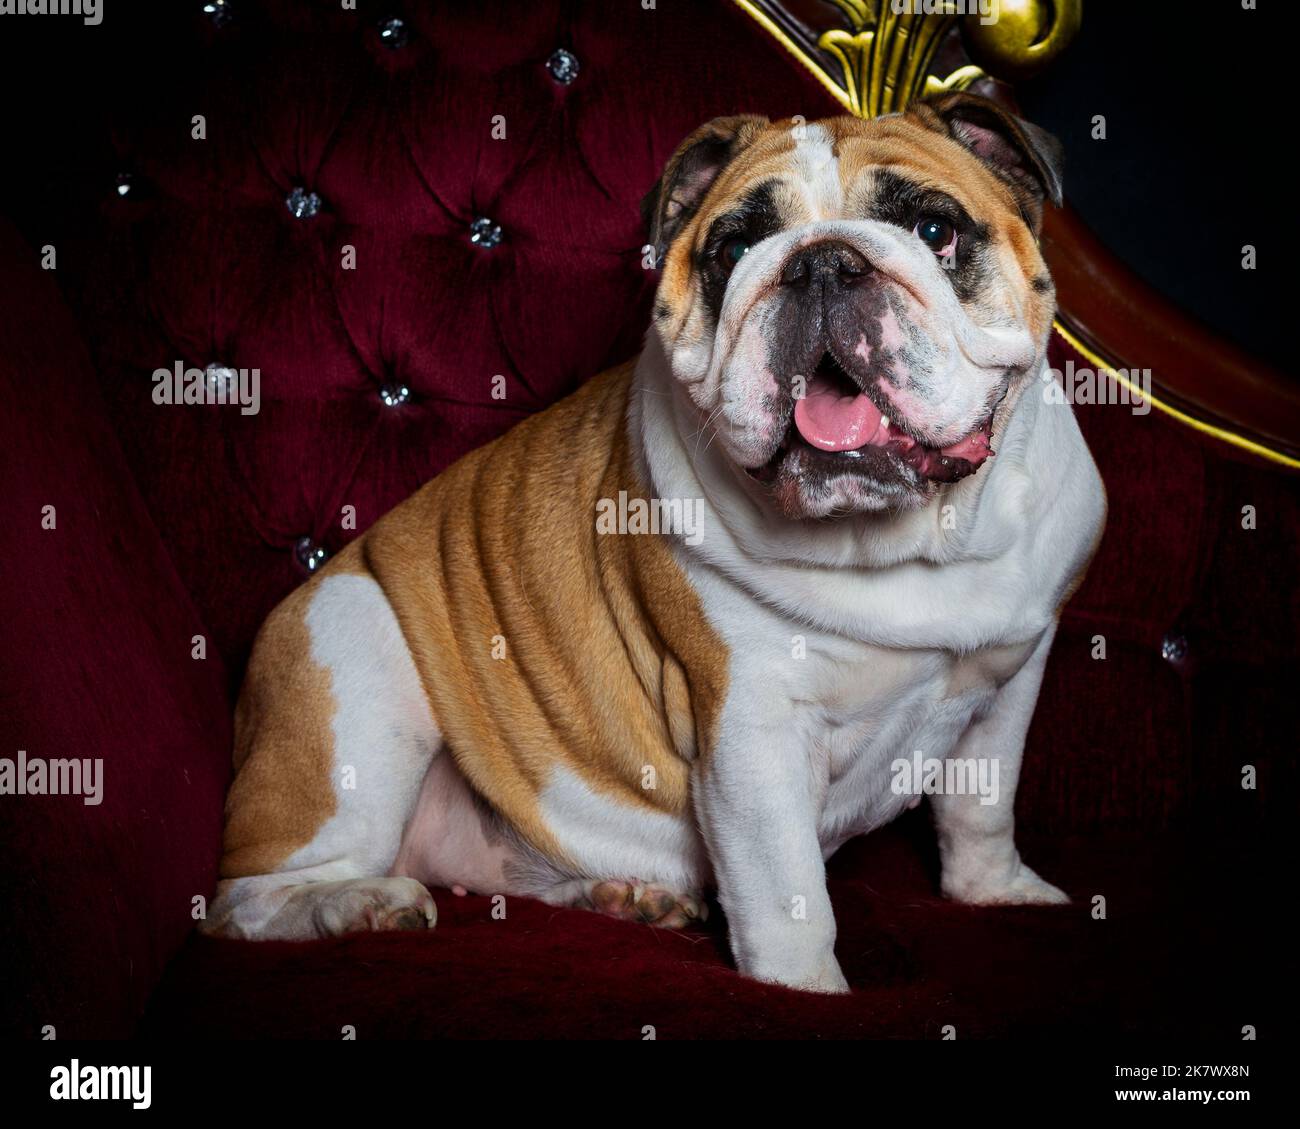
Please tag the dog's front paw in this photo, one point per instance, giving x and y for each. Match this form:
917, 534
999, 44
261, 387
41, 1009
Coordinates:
1022, 887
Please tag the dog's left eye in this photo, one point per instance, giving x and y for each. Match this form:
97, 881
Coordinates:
733, 250
937, 234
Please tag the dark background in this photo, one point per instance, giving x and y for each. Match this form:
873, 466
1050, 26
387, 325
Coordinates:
1197, 161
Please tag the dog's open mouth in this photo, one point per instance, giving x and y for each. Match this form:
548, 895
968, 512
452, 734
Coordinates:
840, 423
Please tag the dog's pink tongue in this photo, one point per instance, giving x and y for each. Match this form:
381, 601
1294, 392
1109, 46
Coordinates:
835, 422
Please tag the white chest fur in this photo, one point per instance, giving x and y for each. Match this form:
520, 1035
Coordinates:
850, 708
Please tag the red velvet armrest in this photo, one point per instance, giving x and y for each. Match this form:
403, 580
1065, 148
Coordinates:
96, 638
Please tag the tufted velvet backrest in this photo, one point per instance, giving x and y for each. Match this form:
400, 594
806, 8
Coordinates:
328, 130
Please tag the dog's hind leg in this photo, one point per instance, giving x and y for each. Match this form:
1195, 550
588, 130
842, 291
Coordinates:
334, 736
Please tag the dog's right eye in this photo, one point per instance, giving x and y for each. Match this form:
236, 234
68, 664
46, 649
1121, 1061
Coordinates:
937, 234
732, 251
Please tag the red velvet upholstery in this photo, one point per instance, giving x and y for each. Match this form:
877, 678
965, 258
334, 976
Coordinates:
1132, 788
95, 661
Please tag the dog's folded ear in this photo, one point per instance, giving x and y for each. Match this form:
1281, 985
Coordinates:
1018, 152
690, 173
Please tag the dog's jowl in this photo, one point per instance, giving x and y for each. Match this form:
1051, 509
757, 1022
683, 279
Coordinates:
679, 632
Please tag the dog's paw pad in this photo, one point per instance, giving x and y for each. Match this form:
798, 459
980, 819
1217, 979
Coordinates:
654, 905
376, 905
408, 917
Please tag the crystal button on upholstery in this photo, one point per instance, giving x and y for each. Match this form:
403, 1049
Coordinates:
302, 204
309, 555
563, 66
484, 234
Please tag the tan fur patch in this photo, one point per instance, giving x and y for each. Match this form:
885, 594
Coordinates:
603, 661
609, 666
284, 747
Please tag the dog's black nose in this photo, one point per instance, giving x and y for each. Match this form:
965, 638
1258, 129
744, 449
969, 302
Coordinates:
828, 263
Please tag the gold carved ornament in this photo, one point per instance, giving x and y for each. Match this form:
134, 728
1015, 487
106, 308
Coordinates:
886, 53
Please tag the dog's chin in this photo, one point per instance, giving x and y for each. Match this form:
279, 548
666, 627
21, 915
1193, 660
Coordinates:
843, 450
894, 473
804, 482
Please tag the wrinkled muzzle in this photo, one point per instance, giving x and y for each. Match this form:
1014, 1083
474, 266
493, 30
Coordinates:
847, 338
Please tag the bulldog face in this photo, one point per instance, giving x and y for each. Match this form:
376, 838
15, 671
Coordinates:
851, 305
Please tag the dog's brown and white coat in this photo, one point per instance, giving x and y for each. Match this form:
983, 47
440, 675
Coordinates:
485, 692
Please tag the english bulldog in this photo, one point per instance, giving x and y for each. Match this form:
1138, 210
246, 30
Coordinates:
515, 683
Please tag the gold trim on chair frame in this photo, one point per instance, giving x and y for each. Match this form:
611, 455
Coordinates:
887, 55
